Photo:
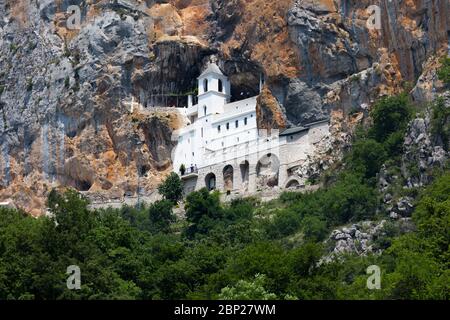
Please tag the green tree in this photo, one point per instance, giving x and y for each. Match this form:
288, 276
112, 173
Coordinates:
203, 208
161, 215
248, 290
172, 188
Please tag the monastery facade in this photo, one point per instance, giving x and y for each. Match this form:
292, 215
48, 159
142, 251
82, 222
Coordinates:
221, 148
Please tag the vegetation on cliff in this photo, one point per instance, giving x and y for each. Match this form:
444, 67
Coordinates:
241, 250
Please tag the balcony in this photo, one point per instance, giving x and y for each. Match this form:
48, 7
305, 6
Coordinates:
191, 172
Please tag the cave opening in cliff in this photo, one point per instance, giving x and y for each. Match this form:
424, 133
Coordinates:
82, 185
143, 170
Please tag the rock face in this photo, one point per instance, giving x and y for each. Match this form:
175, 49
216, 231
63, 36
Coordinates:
81, 107
363, 238
423, 151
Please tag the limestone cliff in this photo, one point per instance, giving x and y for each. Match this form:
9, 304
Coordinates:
78, 105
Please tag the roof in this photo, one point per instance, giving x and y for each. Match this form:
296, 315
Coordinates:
307, 127
293, 130
317, 122
212, 68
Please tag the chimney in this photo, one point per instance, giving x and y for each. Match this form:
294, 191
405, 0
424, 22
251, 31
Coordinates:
189, 101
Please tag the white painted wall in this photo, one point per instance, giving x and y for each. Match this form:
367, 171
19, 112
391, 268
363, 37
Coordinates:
204, 147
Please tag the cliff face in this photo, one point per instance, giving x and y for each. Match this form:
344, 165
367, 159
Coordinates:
72, 101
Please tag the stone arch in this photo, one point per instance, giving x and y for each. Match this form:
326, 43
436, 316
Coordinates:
245, 174
210, 181
228, 180
293, 184
268, 170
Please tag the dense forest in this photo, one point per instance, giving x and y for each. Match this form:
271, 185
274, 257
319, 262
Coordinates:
245, 249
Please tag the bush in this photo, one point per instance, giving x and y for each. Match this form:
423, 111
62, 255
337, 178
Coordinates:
367, 157
182, 169
348, 200
390, 115
440, 122
444, 71
314, 228
285, 223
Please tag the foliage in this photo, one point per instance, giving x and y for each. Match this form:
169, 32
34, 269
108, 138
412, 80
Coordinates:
239, 250
172, 188
444, 71
202, 209
440, 122
230, 252
248, 290
161, 215
390, 114
367, 157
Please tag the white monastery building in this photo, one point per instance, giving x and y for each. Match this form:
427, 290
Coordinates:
222, 148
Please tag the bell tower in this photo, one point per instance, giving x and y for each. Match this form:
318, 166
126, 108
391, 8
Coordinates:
214, 91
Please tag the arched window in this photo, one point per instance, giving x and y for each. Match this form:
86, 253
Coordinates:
220, 86
205, 109
205, 85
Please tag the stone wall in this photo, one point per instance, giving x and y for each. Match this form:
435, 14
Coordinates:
255, 172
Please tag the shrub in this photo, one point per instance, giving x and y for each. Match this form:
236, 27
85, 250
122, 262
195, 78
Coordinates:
314, 228
444, 71
367, 157
390, 115
440, 122
286, 222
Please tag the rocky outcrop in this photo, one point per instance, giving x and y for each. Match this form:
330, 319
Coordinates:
421, 153
269, 112
72, 101
364, 238
350, 65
